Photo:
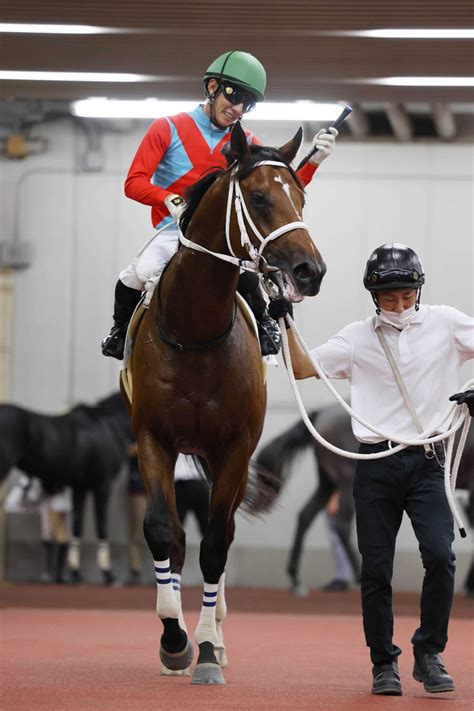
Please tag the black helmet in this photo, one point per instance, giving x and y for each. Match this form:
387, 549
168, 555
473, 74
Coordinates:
393, 266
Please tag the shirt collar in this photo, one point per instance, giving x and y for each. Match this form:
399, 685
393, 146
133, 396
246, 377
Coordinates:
203, 120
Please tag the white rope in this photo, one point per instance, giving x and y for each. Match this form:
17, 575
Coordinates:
456, 416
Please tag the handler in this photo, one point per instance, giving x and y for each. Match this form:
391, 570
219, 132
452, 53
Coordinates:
175, 152
429, 343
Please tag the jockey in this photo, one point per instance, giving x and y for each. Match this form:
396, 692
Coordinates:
174, 153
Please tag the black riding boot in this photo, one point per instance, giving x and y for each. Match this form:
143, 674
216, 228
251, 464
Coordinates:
268, 330
61, 556
47, 574
126, 300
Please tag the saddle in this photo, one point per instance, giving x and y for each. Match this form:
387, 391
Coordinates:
126, 372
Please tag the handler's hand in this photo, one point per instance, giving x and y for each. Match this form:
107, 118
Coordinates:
279, 308
176, 206
325, 142
465, 398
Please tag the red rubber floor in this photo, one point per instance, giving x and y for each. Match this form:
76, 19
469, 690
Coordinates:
67, 658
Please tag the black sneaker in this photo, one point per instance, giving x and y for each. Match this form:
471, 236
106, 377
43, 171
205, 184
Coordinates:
336, 585
269, 334
386, 680
113, 345
429, 669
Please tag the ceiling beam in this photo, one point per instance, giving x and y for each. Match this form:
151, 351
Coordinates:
443, 119
358, 123
399, 122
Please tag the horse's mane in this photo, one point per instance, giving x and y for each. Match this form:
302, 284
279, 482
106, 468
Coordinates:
196, 192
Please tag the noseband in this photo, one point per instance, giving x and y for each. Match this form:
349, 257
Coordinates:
235, 199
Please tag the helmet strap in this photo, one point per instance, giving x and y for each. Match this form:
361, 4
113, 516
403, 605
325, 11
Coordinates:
211, 98
374, 298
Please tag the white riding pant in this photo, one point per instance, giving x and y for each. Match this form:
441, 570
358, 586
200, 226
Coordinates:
150, 260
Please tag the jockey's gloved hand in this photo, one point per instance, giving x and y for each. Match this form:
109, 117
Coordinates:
176, 206
325, 142
279, 308
465, 398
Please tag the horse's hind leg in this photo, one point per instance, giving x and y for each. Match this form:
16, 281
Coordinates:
161, 527
306, 517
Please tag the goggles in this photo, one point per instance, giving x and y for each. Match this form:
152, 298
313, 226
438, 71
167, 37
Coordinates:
238, 96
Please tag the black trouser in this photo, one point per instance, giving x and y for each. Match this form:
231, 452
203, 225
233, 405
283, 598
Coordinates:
383, 490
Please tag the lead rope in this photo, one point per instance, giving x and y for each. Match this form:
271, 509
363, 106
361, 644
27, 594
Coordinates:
456, 416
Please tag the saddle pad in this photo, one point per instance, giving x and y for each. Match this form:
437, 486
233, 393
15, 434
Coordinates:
126, 373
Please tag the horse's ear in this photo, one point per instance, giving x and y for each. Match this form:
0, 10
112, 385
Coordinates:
289, 150
238, 144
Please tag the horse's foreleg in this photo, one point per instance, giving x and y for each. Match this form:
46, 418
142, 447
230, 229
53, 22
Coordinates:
227, 493
101, 499
74, 550
221, 613
160, 526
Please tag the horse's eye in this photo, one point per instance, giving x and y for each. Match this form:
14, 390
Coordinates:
259, 199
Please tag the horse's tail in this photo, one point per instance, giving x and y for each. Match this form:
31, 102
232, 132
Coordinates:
278, 455
272, 467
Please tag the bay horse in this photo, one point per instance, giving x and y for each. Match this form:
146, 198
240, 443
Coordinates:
83, 449
336, 473
199, 383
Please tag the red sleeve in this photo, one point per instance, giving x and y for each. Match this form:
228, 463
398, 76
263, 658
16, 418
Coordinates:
306, 173
151, 150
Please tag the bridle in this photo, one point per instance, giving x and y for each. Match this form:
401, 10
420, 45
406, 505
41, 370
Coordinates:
235, 199
257, 263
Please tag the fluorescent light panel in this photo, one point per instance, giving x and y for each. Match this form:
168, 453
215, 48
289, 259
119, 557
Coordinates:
15, 28
421, 81
75, 76
415, 34
154, 108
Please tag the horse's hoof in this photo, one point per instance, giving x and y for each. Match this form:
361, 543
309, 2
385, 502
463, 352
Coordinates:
178, 661
164, 671
221, 656
207, 673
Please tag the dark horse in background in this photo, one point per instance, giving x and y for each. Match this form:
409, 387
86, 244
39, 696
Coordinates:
336, 473
83, 449
198, 377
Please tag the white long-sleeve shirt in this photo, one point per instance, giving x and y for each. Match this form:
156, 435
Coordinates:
428, 351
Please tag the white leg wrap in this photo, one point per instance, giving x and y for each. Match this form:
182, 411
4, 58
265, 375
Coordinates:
221, 605
103, 555
74, 554
176, 582
166, 604
206, 628
221, 612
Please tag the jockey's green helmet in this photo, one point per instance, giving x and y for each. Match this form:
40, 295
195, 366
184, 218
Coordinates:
240, 68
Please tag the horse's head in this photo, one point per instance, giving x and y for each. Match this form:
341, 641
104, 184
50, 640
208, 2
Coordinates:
272, 200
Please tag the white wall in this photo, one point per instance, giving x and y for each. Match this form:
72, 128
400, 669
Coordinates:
84, 231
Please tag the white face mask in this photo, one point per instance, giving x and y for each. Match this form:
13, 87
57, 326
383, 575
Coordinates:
398, 320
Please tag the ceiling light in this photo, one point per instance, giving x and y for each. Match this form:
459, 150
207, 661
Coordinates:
422, 81
414, 34
74, 76
154, 108
55, 29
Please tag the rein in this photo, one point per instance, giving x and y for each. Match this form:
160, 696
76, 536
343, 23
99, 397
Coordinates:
455, 418
236, 200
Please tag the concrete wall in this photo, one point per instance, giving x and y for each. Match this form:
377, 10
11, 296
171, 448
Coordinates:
84, 231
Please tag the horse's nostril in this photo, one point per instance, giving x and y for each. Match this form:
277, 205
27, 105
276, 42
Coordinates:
304, 273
